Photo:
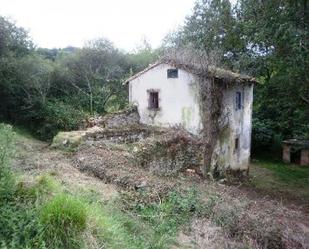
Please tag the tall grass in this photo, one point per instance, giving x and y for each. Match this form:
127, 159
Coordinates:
29, 217
7, 180
18, 222
63, 219
44, 214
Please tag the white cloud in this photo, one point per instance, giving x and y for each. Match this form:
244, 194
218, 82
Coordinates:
59, 23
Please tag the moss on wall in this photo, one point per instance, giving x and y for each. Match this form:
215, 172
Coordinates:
186, 116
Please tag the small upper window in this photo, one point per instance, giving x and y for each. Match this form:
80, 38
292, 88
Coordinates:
153, 102
238, 101
172, 73
218, 81
236, 146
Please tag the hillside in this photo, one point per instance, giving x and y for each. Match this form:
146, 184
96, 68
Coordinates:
131, 208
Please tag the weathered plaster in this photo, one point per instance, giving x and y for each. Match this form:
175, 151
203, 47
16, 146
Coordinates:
235, 124
179, 105
177, 99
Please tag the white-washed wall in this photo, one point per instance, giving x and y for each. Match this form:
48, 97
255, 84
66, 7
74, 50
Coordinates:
177, 98
179, 105
238, 124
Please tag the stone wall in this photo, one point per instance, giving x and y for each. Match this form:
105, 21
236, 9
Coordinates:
73, 139
170, 153
125, 134
124, 118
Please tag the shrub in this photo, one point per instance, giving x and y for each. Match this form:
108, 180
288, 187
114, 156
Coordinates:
19, 225
7, 180
63, 219
262, 133
59, 116
44, 186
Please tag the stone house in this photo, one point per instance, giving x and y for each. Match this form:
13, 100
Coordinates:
169, 94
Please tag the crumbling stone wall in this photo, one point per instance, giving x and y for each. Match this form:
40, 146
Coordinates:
124, 118
170, 153
125, 134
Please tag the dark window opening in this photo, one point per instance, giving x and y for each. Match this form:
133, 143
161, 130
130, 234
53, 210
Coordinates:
153, 100
238, 101
218, 81
172, 73
295, 156
236, 148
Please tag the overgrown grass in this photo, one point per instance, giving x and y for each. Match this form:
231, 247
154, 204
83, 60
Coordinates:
63, 219
7, 180
130, 222
276, 177
162, 219
42, 213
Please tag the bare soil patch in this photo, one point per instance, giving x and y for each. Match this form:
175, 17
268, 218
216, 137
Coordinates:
34, 158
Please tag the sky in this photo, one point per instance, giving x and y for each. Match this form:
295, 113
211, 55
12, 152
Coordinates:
61, 23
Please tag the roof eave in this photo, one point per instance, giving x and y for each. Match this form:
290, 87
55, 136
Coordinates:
214, 72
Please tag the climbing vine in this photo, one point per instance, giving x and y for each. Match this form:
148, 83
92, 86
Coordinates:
212, 82
211, 97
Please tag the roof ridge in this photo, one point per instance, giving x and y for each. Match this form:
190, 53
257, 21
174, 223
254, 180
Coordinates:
213, 71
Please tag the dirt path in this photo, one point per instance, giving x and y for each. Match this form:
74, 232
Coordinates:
34, 158
110, 170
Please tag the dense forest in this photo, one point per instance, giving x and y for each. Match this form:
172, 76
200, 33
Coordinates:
47, 90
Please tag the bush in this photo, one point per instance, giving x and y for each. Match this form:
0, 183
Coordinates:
59, 116
18, 220
63, 219
7, 180
262, 133
19, 225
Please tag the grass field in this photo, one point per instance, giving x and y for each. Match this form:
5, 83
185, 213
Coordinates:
278, 178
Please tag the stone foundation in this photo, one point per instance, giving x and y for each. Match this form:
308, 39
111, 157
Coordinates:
125, 135
163, 151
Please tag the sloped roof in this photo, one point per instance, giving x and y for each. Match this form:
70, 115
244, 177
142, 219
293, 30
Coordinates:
211, 71
301, 144
142, 72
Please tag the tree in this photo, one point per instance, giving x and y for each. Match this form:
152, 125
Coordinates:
96, 73
13, 40
211, 27
141, 57
14, 45
268, 40
278, 49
